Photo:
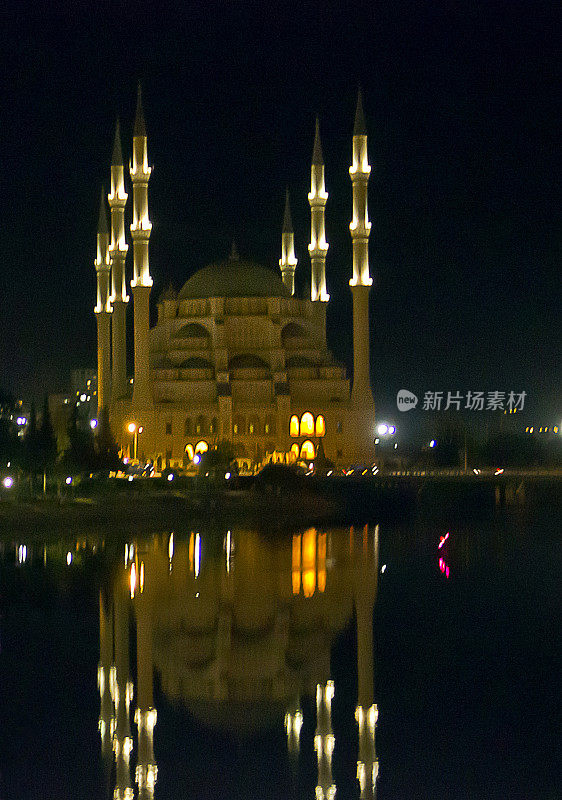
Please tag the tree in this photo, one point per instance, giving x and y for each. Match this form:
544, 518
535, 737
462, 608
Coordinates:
30, 451
47, 443
217, 460
79, 457
106, 449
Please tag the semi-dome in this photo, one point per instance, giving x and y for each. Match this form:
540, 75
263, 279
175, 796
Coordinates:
233, 278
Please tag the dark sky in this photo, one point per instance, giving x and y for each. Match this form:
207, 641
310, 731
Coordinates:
460, 101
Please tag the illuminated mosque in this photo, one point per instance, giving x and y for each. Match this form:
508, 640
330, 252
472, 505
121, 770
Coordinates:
235, 354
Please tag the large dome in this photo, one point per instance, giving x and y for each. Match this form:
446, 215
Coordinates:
233, 278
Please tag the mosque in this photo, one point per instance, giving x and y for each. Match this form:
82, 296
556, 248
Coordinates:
235, 355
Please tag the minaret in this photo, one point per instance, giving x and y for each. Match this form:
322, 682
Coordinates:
293, 725
118, 253
145, 714
318, 246
141, 283
324, 741
103, 308
123, 693
366, 712
360, 227
106, 677
288, 262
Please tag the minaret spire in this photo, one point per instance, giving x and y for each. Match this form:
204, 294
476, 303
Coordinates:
141, 228
288, 262
139, 127
103, 306
317, 198
359, 128
118, 253
366, 712
317, 157
102, 216
117, 155
360, 227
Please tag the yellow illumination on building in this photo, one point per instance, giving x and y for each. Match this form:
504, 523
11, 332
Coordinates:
294, 426
309, 562
296, 565
189, 451
195, 554
201, 447
321, 562
307, 424
308, 451
320, 425
133, 579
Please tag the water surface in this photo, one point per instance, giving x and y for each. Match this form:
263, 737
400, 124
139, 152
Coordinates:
255, 664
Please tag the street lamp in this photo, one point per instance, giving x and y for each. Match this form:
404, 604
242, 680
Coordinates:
134, 430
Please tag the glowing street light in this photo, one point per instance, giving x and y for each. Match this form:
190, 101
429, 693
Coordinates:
93, 424
8, 482
134, 430
432, 443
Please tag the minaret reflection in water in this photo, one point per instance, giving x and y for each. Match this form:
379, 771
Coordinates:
239, 628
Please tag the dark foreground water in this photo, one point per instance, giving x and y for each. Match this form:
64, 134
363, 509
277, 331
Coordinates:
245, 657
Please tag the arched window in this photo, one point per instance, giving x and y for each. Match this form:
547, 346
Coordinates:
200, 425
189, 451
253, 425
269, 425
294, 426
294, 452
307, 424
214, 426
187, 426
239, 425
320, 425
309, 562
307, 450
201, 447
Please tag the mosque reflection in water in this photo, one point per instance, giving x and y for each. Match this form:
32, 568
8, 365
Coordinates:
239, 631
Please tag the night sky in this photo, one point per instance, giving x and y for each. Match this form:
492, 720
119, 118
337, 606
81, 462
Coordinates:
461, 108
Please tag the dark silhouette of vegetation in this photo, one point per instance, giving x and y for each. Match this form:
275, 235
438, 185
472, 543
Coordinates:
217, 460
78, 458
106, 449
279, 479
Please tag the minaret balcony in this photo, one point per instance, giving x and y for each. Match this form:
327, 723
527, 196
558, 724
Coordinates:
117, 199
145, 281
360, 231
140, 173
360, 172
318, 249
318, 197
141, 230
289, 263
118, 251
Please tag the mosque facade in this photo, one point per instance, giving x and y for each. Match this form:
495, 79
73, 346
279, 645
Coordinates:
234, 355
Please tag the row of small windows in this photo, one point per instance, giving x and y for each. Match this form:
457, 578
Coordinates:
307, 425
240, 426
199, 426
252, 426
